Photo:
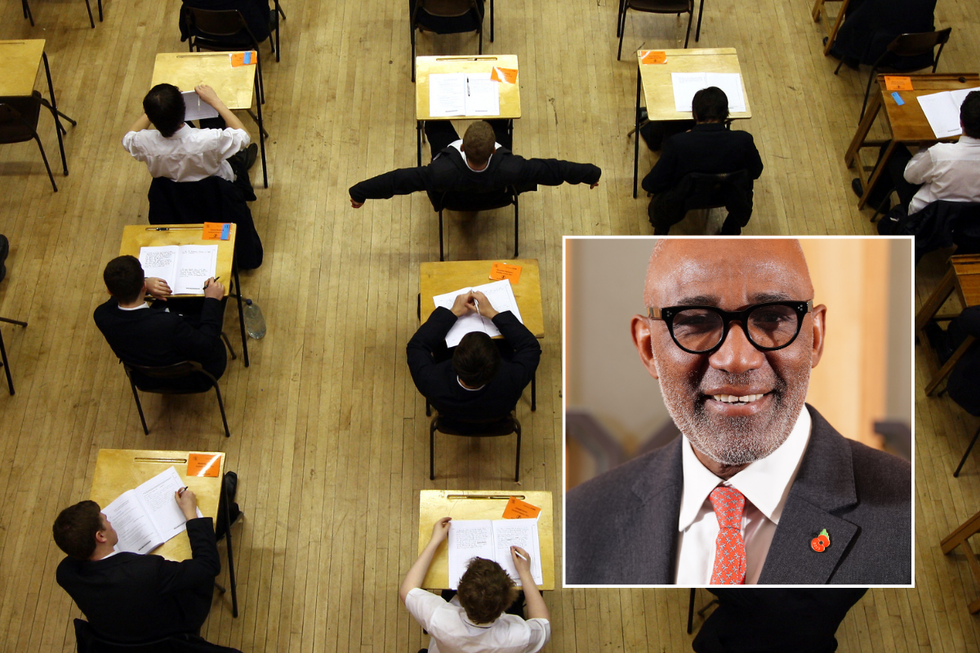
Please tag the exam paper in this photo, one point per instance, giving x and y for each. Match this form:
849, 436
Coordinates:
943, 111
501, 296
463, 94
687, 84
195, 108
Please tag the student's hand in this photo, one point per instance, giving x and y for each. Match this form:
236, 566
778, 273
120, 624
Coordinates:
158, 288
440, 530
522, 565
355, 203
214, 289
187, 502
207, 94
486, 308
463, 304
591, 186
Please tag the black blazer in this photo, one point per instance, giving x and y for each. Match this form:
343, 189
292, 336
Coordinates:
154, 337
448, 172
708, 147
437, 380
621, 527
135, 598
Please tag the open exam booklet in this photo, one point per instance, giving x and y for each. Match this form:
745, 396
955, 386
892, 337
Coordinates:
185, 268
501, 296
148, 516
491, 539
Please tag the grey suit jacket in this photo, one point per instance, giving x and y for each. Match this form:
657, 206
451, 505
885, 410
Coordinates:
621, 527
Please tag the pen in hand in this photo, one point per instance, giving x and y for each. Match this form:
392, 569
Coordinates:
518, 554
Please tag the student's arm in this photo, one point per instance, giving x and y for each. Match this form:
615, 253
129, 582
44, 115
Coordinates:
660, 178
536, 609
141, 123
429, 338
207, 94
205, 564
527, 351
919, 169
554, 172
754, 165
385, 186
199, 343
415, 575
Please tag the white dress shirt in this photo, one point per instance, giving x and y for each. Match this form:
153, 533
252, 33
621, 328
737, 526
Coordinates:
948, 171
190, 154
765, 483
452, 632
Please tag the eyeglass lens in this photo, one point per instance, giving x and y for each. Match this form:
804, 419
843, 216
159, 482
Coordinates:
699, 329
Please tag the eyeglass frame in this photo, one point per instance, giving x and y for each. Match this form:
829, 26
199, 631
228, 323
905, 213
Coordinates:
667, 314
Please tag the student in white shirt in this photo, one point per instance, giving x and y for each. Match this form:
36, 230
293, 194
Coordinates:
474, 621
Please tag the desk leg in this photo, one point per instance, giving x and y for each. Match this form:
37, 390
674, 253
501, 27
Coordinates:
241, 313
59, 128
265, 167
862, 130
876, 174
419, 124
936, 299
944, 371
636, 131
231, 556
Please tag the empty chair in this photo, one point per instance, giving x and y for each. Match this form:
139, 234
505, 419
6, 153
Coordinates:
699, 190
19, 117
260, 18
220, 31
187, 377
28, 15
901, 56
655, 7
476, 428
447, 17
476, 201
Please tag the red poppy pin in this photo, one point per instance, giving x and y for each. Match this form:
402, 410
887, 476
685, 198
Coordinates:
820, 542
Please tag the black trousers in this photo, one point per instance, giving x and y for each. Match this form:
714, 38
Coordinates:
893, 178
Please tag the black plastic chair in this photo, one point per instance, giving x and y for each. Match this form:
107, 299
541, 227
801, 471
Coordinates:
905, 46
657, 7
187, 377
222, 31
476, 201
89, 642
447, 17
3, 353
28, 15
699, 190
475, 428
19, 117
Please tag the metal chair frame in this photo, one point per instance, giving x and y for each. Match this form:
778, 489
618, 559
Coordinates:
176, 371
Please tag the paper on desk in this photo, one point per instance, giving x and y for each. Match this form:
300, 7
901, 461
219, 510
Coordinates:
185, 268
491, 540
463, 94
148, 516
195, 108
687, 84
943, 111
501, 296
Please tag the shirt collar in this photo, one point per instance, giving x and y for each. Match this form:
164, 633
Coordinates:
969, 140
460, 382
765, 483
133, 308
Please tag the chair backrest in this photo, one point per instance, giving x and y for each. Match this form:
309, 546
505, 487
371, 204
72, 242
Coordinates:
221, 23
919, 43
476, 428
474, 200
661, 6
89, 642
194, 377
18, 117
709, 191
446, 8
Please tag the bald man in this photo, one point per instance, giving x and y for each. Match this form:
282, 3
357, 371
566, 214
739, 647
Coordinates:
759, 488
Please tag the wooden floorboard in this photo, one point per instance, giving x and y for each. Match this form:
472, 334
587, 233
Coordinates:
329, 436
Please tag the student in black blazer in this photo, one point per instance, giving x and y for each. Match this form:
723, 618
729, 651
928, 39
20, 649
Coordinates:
708, 147
152, 336
132, 598
476, 383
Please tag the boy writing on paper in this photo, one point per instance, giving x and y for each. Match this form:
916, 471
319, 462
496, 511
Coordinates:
474, 620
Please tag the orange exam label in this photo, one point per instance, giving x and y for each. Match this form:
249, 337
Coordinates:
898, 83
215, 231
244, 59
500, 271
203, 464
653, 56
508, 75
517, 509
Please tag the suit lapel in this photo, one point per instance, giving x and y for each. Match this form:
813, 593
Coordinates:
823, 485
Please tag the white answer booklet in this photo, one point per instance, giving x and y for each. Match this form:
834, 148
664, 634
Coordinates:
943, 111
148, 516
687, 84
463, 94
501, 296
491, 539
195, 108
185, 268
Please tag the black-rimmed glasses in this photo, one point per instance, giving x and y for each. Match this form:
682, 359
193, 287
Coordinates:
702, 329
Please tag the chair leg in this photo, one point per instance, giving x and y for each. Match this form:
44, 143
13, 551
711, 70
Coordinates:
221, 405
517, 221
690, 612
619, 18
432, 452
517, 465
690, 19
139, 407
228, 345
697, 34
491, 27
479, 34
839, 64
413, 54
622, 30
27, 12
88, 6
867, 92
100, 11
534, 391
967, 453
6, 365
46, 165
279, 9
441, 251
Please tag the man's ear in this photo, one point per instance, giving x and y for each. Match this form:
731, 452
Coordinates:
819, 317
100, 537
643, 340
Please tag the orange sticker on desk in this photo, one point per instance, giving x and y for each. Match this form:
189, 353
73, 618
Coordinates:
517, 509
893, 83
203, 464
508, 75
244, 59
500, 271
216, 231
653, 56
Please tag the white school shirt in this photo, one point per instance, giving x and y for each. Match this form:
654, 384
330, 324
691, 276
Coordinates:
190, 154
948, 171
765, 483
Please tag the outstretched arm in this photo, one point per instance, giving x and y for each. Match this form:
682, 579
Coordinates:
554, 172
385, 186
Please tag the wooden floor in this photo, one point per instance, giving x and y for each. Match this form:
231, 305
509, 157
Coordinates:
328, 432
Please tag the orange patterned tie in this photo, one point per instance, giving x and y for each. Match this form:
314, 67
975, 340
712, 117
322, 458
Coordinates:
729, 566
